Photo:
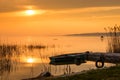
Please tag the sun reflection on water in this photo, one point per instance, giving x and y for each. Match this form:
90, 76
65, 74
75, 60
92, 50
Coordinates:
30, 60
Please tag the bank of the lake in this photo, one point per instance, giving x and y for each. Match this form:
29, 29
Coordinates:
111, 73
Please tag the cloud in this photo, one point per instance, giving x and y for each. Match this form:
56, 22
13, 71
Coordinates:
88, 10
9, 6
85, 12
68, 4
17, 5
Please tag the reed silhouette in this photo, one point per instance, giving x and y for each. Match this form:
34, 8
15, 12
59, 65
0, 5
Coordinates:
113, 37
9, 53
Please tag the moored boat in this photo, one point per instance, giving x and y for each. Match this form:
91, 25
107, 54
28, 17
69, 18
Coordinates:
74, 58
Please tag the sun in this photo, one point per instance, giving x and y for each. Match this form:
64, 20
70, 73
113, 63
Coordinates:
30, 12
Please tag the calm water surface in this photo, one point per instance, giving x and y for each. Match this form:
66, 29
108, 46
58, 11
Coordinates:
20, 62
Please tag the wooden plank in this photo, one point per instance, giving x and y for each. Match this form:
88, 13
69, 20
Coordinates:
108, 57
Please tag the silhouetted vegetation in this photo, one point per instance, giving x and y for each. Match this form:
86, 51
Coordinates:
35, 46
112, 73
8, 51
113, 39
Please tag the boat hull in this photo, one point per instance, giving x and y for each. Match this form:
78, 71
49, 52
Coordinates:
68, 59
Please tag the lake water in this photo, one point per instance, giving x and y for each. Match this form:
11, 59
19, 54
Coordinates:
19, 62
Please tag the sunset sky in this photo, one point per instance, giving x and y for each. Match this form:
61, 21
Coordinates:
57, 17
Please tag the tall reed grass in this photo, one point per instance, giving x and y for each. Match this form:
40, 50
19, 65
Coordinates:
113, 37
8, 51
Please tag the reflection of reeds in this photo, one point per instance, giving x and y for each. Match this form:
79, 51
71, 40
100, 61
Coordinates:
5, 65
10, 51
113, 39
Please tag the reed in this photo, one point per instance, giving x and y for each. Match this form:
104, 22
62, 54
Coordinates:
35, 46
6, 49
8, 52
113, 34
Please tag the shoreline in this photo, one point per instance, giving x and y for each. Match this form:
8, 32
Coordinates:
93, 74
85, 75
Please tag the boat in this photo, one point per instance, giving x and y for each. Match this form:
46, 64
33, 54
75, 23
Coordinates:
73, 58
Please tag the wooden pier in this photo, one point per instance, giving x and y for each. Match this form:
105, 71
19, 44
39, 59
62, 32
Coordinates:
79, 58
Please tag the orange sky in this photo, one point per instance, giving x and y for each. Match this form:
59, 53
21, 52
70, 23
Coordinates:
56, 17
